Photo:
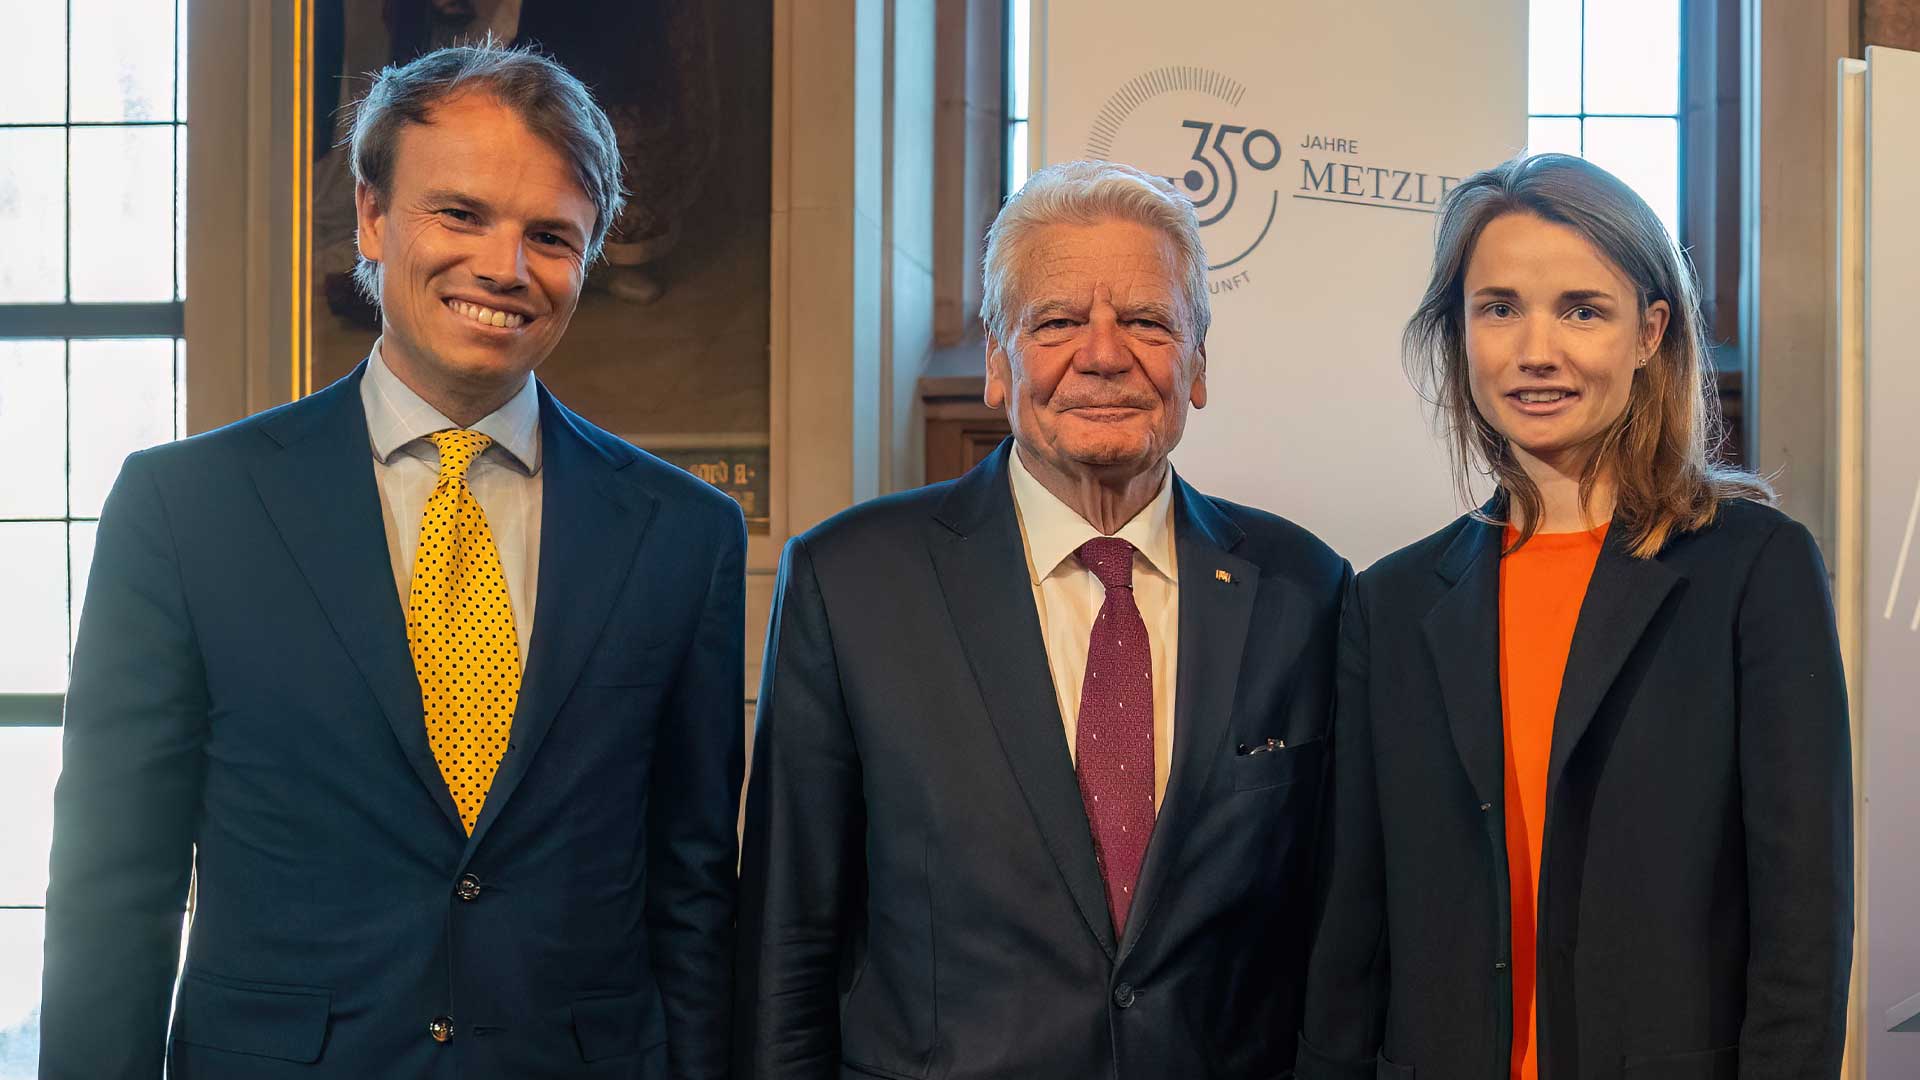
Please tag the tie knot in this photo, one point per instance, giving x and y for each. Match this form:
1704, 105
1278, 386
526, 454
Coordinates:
458, 447
1111, 560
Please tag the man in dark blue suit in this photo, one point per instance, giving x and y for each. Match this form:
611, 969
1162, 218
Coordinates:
1040, 750
430, 687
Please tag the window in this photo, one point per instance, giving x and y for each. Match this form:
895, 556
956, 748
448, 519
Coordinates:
92, 162
1648, 89
1019, 65
1603, 82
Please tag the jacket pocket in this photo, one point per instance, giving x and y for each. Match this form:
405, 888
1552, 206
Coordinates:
1310, 1063
1387, 1069
1277, 768
608, 1027
1721, 1064
855, 1069
288, 1023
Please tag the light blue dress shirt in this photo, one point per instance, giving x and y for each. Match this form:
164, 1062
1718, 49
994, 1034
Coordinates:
505, 480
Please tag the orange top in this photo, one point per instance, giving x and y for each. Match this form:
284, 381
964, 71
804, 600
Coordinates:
1541, 588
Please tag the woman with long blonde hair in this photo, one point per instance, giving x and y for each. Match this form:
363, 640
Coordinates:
1591, 806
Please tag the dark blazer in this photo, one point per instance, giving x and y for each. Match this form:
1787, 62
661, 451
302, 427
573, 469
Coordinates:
244, 707
919, 896
1695, 913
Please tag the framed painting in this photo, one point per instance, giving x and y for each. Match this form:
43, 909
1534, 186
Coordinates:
669, 345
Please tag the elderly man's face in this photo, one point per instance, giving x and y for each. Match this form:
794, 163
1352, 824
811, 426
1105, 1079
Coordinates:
1101, 360
481, 243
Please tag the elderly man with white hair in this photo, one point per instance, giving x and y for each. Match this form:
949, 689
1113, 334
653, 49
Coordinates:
1041, 750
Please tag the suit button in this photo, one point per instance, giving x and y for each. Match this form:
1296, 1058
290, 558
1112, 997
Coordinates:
468, 888
1123, 995
441, 1028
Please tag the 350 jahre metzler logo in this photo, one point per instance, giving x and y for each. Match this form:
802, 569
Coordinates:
1189, 125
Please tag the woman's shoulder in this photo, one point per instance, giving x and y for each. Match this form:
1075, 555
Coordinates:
1420, 560
1742, 534
1740, 523
1741, 516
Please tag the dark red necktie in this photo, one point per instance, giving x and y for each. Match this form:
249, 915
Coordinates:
1113, 748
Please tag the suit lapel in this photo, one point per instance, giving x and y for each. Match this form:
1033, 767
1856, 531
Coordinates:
591, 523
981, 564
1463, 634
1214, 616
319, 491
1623, 596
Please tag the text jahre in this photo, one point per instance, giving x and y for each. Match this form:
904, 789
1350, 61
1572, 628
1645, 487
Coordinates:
1330, 144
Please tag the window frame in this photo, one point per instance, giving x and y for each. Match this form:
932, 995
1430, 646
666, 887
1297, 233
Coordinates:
67, 321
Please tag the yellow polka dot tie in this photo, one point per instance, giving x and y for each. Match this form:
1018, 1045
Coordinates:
460, 628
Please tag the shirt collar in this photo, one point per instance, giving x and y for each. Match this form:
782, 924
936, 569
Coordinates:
1054, 530
397, 417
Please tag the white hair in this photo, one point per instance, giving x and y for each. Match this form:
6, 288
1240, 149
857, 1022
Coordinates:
1086, 193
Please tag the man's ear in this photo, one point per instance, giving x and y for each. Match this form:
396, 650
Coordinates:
1198, 393
999, 375
371, 218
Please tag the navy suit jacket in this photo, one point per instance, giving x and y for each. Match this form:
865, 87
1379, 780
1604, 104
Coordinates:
919, 895
244, 711
1695, 913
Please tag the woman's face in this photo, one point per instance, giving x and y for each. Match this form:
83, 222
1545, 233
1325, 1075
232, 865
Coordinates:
1554, 336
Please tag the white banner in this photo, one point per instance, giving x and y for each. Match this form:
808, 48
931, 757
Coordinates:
1316, 140
1891, 744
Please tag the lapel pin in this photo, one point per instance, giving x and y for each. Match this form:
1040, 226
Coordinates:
1222, 575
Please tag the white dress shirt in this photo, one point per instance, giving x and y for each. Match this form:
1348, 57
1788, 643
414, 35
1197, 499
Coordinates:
505, 480
1068, 598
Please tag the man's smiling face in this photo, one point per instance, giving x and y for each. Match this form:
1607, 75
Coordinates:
1100, 364
481, 242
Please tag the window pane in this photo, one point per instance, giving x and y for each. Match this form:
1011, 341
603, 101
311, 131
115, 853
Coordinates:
1553, 135
21, 935
1553, 56
1644, 153
79, 565
123, 55
1016, 156
122, 401
1633, 56
1019, 62
29, 764
33, 428
33, 81
180, 60
33, 214
33, 579
179, 213
122, 220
